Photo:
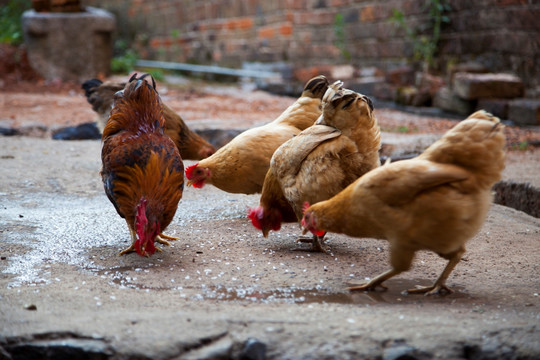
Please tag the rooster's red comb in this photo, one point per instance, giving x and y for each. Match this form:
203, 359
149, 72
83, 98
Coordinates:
305, 207
189, 171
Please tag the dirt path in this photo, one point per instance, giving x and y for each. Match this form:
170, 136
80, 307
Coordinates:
64, 290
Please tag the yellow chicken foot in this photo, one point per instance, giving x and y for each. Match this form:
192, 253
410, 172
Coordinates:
434, 289
132, 246
440, 284
317, 243
127, 251
161, 239
375, 282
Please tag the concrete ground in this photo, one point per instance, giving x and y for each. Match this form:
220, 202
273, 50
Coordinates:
223, 291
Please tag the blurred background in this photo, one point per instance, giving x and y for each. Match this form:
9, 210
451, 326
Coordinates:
404, 51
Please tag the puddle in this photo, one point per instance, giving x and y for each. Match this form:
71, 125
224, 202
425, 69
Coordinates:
318, 295
132, 278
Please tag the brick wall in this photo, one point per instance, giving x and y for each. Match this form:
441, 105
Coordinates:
504, 35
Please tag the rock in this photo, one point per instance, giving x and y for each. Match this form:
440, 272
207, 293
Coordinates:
403, 351
520, 196
400, 145
474, 86
87, 131
524, 111
33, 129
342, 72
8, 131
253, 350
63, 348
405, 95
218, 137
401, 76
447, 100
365, 85
384, 91
429, 83
468, 67
220, 349
497, 107
69, 46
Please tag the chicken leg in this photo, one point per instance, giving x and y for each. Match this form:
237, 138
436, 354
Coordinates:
401, 259
161, 239
131, 248
439, 285
317, 243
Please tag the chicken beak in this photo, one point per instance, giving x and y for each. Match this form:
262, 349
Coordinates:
189, 183
265, 232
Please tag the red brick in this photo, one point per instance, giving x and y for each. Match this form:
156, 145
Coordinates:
244, 23
266, 32
367, 13
286, 29
155, 43
511, 2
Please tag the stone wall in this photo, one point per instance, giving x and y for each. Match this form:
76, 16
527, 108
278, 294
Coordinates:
503, 35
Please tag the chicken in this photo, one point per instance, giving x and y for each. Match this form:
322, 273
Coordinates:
142, 171
241, 165
321, 161
191, 146
436, 201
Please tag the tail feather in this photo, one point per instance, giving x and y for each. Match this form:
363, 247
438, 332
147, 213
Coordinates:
89, 86
316, 87
332, 90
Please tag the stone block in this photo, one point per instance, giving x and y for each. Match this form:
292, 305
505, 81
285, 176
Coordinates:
384, 91
447, 100
524, 111
69, 46
401, 76
365, 85
497, 107
474, 86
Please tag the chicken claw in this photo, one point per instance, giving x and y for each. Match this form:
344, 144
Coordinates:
161, 239
128, 250
369, 286
375, 282
435, 289
317, 243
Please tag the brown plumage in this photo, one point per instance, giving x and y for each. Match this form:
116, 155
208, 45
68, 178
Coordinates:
322, 160
436, 201
241, 165
191, 146
142, 170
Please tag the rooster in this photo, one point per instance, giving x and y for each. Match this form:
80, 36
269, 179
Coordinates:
436, 201
191, 146
241, 165
142, 170
321, 161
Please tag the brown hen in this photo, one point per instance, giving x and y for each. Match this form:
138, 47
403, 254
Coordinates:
436, 201
241, 165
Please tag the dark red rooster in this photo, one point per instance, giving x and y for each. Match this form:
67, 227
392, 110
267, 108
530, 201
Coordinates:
142, 172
